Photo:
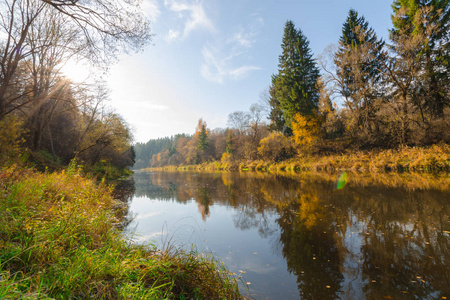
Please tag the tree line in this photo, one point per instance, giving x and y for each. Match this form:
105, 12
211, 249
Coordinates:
42, 110
364, 93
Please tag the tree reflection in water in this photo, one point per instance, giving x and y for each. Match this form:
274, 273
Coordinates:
380, 237
124, 191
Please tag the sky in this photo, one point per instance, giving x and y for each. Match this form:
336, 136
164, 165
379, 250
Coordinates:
209, 58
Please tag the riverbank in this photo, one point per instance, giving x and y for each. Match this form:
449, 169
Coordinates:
429, 159
59, 239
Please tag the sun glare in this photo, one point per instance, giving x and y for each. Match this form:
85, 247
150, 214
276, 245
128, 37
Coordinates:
77, 72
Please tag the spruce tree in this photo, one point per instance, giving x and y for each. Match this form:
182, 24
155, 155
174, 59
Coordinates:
276, 114
202, 139
295, 84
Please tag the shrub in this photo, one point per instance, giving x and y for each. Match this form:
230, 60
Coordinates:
276, 147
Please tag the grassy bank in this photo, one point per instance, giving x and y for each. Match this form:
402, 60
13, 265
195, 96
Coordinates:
58, 239
434, 158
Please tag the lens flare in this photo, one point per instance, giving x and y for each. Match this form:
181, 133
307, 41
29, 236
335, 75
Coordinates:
342, 181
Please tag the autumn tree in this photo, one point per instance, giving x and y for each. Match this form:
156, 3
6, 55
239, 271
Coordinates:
49, 89
306, 130
276, 147
358, 72
405, 111
420, 39
239, 120
429, 18
104, 29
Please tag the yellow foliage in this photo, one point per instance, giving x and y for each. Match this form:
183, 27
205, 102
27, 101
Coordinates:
311, 211
305, 129
275, 147
10, 129
226, 157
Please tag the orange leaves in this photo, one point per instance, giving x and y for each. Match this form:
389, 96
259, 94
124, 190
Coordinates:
305, 129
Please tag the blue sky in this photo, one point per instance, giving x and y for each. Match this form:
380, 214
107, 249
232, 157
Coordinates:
213, 57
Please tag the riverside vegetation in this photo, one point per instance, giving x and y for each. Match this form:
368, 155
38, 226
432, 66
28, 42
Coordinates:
59, 240
431, 159
60, 225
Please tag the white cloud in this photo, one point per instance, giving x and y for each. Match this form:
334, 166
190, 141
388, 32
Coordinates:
242, 71
221, 59
151, 9
244, 39
218, 63
213, 67
197, 16
228, 57
172, 35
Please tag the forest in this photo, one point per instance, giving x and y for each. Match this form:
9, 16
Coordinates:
362, 94
46, 118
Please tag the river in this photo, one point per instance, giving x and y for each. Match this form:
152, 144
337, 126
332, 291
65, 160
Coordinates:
305, 236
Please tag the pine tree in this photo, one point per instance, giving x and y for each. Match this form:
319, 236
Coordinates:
295, 86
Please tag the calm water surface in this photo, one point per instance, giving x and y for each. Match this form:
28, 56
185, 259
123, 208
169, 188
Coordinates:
299, 237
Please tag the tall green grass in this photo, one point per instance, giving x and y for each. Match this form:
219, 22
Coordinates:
58, 239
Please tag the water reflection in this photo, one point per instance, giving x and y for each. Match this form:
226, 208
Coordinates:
124, 192
379, 237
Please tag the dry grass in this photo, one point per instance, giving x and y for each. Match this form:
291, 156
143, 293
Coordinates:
434, 158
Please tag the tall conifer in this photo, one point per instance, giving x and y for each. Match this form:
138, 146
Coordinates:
295, 84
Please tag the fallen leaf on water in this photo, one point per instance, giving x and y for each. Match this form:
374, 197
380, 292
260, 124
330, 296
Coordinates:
248, 283
255, 252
